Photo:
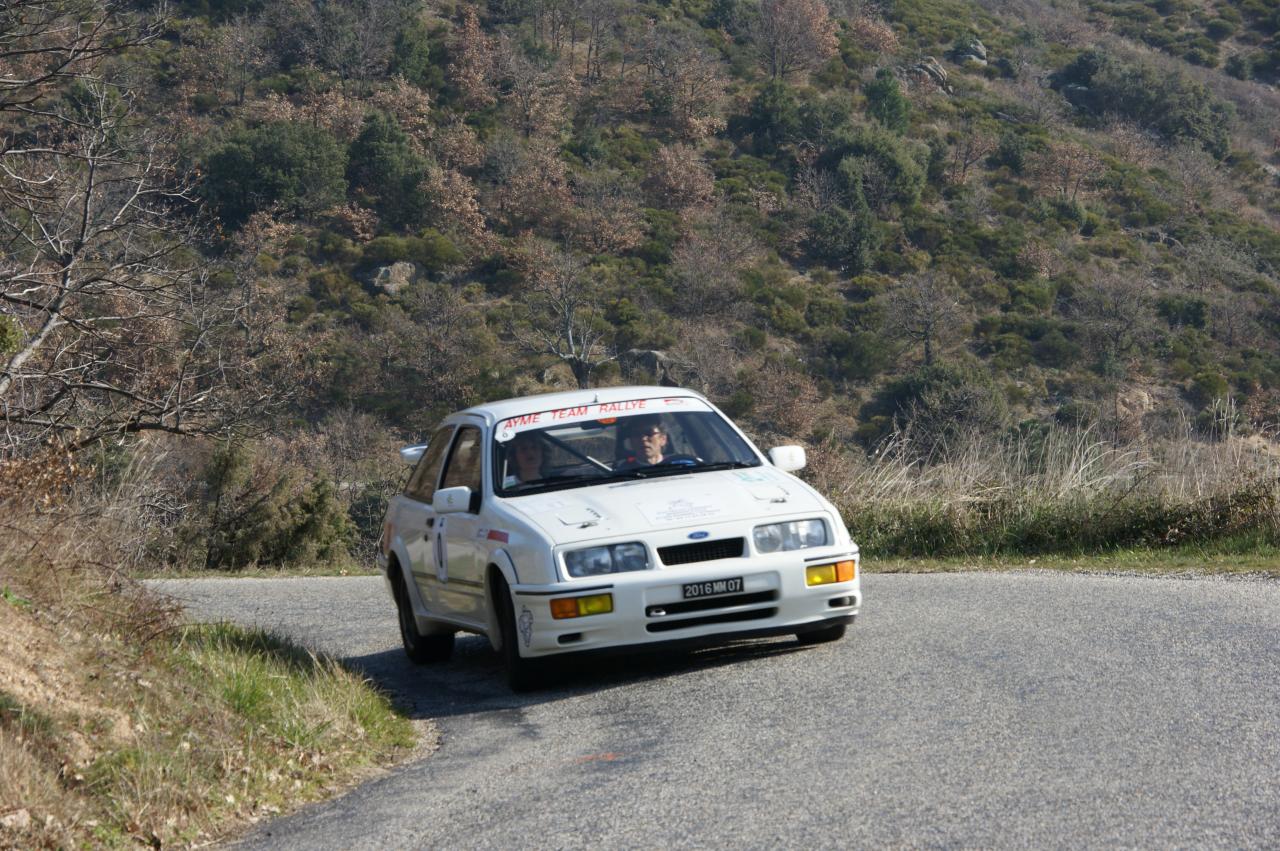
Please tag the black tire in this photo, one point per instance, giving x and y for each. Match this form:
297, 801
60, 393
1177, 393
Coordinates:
822, 636
522, 674
421, 649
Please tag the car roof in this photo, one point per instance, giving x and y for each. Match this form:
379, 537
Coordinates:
492, 412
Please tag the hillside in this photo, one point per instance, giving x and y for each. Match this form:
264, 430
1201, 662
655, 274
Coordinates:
916, 221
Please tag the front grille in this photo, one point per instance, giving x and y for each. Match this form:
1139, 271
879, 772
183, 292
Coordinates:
704, 603
749, 615
702, 551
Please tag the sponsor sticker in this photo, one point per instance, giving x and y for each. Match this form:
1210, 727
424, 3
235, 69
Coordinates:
605, 413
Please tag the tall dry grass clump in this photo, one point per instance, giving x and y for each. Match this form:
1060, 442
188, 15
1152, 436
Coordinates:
1058, 489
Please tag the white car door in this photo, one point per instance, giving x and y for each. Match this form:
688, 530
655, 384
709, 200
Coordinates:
416, 520
457, 535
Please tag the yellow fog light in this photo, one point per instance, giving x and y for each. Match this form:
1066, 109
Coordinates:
576, 607
825, 574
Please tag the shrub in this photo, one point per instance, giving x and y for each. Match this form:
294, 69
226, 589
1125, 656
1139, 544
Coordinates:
296, 166
257, 511
386, 173
935, 405
886, 103
1171, 104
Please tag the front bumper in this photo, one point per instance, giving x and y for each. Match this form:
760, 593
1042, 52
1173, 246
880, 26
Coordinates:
649, 609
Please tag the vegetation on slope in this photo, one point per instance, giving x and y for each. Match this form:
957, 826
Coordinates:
846, 223
119, 724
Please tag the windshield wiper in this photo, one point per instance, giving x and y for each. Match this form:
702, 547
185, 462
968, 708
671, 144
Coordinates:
726, 465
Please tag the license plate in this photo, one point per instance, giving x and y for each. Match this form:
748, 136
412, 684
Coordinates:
712, 587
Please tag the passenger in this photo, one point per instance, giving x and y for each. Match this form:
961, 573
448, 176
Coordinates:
524, 459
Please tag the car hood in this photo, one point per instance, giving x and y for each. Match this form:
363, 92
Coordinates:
673, 502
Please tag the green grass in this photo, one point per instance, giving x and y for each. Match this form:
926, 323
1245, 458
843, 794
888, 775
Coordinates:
1264, 564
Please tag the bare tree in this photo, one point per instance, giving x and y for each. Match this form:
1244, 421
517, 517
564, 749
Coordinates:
238, 54
794, 35
564, 312
1067, 169
45, 44
1116, 314
925, 308
115, 325
707, 264
970, 143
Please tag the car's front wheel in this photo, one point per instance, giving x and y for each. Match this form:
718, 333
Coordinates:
522, 674
421, 649
823, 635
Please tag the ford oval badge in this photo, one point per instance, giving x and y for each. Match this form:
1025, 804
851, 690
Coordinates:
698, 536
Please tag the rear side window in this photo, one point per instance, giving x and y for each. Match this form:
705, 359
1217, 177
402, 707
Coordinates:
464, 461
422, 484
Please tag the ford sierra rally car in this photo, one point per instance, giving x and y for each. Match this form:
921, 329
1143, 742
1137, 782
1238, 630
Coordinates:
600, 520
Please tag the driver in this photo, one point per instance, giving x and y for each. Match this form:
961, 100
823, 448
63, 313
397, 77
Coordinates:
646, 443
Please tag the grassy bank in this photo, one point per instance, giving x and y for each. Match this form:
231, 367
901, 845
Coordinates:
120, 724
1175, 563
1065, 494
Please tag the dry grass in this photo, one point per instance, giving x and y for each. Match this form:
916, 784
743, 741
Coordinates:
120, 725
1060, 490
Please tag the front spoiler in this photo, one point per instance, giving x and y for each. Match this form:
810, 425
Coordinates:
692, 642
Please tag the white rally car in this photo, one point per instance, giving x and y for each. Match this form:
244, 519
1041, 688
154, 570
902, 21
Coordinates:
625, 517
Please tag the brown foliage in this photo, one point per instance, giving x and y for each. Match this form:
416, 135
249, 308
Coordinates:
606, 216
530, 183
679, 178
794, 35
1067, 169
473, 64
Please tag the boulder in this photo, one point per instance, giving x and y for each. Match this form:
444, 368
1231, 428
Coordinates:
972, 50
932, 69
394, 278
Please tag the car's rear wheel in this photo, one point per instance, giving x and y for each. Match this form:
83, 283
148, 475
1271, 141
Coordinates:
823, 635
421, 649
522, 674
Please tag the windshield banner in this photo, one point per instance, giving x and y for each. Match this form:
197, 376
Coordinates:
606, 413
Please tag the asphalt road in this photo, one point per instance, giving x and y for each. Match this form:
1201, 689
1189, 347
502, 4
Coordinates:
963, 710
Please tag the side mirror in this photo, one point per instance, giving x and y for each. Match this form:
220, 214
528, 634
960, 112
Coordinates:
787, 458
452, 500
411, 455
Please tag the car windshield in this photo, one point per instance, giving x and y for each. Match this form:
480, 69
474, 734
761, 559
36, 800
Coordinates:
593, 444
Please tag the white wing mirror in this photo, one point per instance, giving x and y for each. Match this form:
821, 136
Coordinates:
411, 455
787, 458
451, 500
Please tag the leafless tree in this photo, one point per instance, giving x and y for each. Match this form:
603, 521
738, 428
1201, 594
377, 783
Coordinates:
45, 44
238, 54
970, 143
925, 308
563, 315
1115, 310
115, 323
1067, 169
794, 35
707, 264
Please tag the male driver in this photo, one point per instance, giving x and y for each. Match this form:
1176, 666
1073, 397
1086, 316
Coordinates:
646, 443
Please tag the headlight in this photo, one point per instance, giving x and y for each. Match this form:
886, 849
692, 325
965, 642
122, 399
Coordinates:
796, 535
597, 561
